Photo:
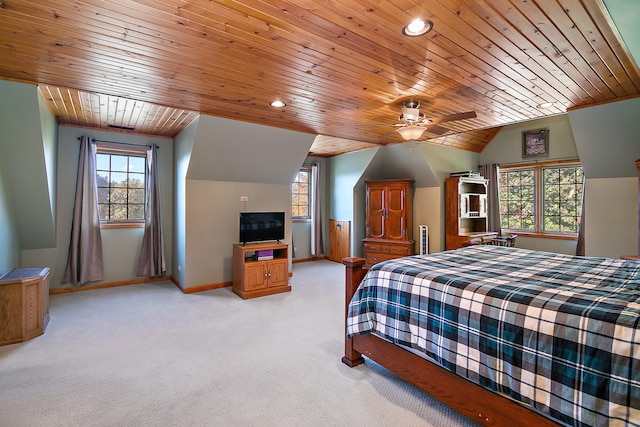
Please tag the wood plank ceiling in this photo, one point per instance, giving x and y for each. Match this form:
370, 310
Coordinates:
342, 67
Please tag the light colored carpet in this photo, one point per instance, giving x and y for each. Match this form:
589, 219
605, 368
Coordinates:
148, 355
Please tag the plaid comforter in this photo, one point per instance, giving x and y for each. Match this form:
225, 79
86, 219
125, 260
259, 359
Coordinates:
558, 333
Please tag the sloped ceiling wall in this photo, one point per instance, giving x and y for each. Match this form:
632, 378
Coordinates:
235, 151
608, 138
398, 161
30, 163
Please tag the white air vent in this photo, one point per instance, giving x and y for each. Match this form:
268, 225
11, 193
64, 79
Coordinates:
424, 240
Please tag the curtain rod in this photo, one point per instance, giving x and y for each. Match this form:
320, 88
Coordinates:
116, 142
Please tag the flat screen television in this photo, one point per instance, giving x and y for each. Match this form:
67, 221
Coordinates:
261, 226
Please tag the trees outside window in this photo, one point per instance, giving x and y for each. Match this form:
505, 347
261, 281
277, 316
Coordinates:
121, 178
300, 195
544, 198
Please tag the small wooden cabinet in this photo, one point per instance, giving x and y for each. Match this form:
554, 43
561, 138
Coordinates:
24, 304
254, 277
389, 220
466, 211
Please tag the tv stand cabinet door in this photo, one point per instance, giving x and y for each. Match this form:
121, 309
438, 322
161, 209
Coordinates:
255, 276
278, 274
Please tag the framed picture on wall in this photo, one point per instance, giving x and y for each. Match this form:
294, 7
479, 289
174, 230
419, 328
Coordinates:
535, 143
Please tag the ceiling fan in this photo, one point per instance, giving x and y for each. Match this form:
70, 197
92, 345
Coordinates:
413, 123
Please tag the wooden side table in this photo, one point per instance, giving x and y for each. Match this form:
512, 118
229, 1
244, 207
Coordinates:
24, 304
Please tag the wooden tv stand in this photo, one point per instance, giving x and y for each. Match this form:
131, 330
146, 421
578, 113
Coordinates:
256, 278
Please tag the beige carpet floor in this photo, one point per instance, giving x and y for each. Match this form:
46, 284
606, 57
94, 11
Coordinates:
148, 355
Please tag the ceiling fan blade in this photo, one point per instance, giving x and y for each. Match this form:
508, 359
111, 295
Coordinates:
437, 130
453, 117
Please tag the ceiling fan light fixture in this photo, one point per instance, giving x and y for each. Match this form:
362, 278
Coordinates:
417, 27
409, 133
410, 114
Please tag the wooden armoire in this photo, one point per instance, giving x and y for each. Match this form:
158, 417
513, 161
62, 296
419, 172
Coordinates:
389, 220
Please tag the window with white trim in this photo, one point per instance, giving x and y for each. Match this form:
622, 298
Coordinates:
121, 181
301, 195
545, 198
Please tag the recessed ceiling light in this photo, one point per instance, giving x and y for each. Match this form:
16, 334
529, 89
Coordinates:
545, 105
277, 103
417, 27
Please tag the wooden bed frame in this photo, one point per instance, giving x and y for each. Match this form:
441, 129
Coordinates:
479, 404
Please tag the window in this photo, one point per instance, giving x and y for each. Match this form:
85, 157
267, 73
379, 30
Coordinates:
300, 195
121, 178
543, 199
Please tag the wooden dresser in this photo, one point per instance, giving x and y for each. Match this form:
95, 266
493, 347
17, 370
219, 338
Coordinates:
389, 220
24, 304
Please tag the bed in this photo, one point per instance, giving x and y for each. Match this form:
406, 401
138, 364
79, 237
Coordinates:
506, 336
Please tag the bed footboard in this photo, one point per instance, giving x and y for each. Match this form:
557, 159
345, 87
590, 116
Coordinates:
354, 275
481, 405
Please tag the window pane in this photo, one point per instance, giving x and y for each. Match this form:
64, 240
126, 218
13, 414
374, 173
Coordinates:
119, 163
136, 211
102, 161
517, 205
118, 179
121, 186
300, 197
136, 195
137, 164
562, 198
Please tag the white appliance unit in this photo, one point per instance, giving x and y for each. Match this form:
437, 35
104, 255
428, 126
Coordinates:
423, 241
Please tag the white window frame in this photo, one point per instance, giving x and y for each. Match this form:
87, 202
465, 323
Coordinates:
132, 151
539, 199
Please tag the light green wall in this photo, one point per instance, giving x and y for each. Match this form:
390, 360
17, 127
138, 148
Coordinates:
506, 148
9, 245
608, 143
228, 159
120, 247
347, 199
27, 141
182, 149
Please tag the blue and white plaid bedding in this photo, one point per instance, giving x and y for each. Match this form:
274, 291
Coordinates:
558, 333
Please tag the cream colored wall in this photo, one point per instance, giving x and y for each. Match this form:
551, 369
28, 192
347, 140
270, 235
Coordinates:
212, 217
611, 223
428, 210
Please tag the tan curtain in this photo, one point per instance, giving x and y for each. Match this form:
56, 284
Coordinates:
152, 261
492, 173
84, 262
317, 247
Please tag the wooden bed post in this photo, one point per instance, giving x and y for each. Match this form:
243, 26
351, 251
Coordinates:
354, 275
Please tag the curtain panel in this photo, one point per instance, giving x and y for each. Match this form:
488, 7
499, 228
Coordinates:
152, 261
84, 261
491, 172
317, 246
